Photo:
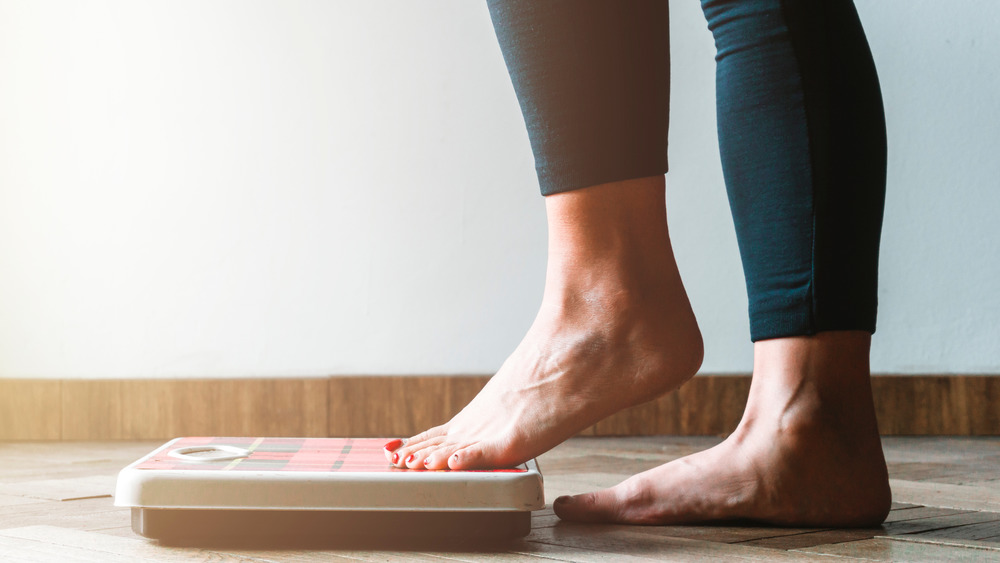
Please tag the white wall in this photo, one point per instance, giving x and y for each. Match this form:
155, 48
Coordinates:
310, 188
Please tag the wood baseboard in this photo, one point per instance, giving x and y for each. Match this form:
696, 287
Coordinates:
153, 409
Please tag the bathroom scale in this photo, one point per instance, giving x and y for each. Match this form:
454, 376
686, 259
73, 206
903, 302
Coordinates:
207, 489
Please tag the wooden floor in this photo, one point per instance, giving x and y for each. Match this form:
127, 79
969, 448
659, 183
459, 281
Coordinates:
55, 505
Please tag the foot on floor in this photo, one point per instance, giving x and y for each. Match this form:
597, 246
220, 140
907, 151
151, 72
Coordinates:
807, 453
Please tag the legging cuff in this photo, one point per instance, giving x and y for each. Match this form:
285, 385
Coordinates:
782, 318
593, 81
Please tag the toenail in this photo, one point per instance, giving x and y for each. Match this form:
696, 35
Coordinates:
395, 458
393, 445
411, 458
427, 462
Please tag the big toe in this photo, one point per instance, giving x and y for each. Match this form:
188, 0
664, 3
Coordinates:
428, 435
480, 455
598, 506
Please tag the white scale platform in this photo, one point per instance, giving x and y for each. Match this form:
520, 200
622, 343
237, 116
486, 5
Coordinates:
198, 490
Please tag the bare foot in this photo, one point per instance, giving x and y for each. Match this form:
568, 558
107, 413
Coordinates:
807, 452
615, 329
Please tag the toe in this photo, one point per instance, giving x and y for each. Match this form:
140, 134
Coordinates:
436, 459
480, 455
412, 461
415, 459
599, 506
390, 447
633, 501
439, 457
404, 456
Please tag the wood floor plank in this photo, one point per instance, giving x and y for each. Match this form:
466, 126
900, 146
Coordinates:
109, 548
641, 447
545, 521
621, 539
990, 546
810, 539
49, 512
17, 550
919, 471
90, 486
99, 521
937, 523
10, 500
985, 483
938, 449
970, 474
318, 556
613, 463
580, 483
58, 471
977, 531
881, 549
543, 551
299, 556
123, 531
917, 512
956, 472
68, 453
723, 534
466, 556
944, 495
892, 528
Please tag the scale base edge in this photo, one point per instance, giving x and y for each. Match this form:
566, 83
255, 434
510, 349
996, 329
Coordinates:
221, 526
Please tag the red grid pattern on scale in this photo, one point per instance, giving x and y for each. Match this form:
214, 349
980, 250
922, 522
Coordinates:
286, 454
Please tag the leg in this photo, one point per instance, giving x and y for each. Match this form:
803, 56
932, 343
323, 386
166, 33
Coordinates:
615, 327
803, 143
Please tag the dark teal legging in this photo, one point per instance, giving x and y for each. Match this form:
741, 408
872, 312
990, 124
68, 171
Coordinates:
801, 133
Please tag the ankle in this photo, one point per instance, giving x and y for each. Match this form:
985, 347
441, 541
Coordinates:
614, 232
830, 358
830, 366
609, 246
813, 383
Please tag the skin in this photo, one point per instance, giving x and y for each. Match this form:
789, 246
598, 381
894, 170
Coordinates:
806, 453
615, 329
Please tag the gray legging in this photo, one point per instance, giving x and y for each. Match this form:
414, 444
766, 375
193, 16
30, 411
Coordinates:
801, 133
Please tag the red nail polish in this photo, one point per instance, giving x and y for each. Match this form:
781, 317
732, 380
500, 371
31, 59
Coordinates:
410, 459
427, 462
391, 446
395, 458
